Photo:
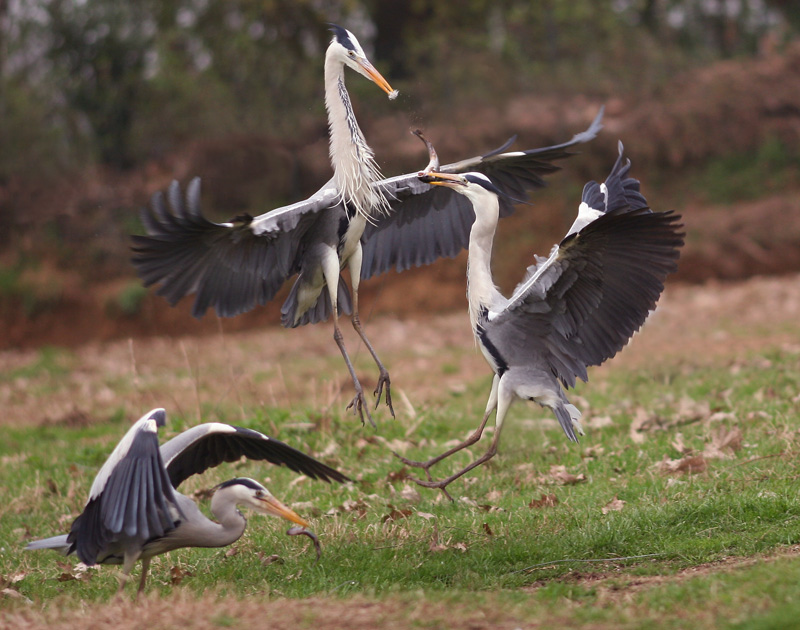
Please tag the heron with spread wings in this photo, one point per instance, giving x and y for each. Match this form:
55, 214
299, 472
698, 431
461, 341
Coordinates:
575, 308
134, 511
236, 266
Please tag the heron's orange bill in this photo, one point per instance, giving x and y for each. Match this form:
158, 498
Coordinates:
377, 77
441, 179
272, 506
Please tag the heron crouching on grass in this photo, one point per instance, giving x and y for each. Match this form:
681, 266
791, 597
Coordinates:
134, 511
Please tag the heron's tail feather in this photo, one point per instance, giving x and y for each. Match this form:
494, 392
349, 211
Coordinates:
57, 543
569, 418
319, 311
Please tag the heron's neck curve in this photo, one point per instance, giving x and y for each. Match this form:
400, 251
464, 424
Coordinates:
353, 161
482, 294
230, 523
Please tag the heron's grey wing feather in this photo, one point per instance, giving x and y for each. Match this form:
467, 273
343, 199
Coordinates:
429, 222
619, 193
231, 267
137, 479
208, 445
597, 288
424, 223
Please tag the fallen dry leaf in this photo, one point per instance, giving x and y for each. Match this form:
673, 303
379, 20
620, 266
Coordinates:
593, 452
410, 494
487, 530
396, 515
12, 594
561, 476
639, 424
177, 575
689, 410
679, 445
79, 572
690, 464
724, 443
232, 551
615, 505
547, 500
599, 422
399, 475
272, 558
359, 507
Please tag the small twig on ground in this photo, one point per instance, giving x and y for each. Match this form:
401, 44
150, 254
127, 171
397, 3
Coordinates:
755, 459
587, 560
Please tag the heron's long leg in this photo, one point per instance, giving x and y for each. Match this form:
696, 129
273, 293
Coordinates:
330, 268
504, 400
128, 562
491, 405
383, 379
143, 579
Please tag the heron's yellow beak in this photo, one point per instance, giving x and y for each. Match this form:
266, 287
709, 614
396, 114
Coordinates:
442, 179
271, 505
372, 72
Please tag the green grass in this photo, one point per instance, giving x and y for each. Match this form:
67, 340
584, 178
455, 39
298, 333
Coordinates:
490, 545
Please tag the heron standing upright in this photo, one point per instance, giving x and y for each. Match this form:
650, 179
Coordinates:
575, 308
315, 238
134, 511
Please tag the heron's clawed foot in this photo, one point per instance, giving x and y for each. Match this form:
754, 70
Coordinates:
359, 406
424, 465
442, 484
384, 379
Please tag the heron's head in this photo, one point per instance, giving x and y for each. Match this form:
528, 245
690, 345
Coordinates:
252, 494
345, 48
472, 185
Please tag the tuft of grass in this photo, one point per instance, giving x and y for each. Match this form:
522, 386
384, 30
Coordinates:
128, 302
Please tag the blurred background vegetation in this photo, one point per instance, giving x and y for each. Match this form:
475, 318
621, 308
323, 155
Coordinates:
103, 102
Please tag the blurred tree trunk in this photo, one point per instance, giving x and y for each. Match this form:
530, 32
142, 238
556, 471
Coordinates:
3, 44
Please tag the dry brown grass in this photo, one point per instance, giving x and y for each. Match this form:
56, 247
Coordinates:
428, 358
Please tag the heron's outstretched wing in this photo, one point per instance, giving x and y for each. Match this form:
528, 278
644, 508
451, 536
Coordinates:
231, 267
429, 222
208, 445
584, 302
131, 494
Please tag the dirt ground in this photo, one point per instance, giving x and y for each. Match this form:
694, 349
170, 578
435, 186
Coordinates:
302, 369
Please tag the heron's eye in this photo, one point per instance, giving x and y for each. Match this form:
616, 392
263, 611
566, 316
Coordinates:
352, 53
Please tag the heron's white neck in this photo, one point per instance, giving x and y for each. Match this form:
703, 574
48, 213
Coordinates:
230, 523
481, 290
353, 161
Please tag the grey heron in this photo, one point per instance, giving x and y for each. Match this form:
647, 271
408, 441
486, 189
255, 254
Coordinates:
237, 265
315, 238
575, 308
134, 511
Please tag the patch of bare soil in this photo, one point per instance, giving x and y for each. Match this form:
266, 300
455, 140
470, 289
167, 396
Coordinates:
182, 611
